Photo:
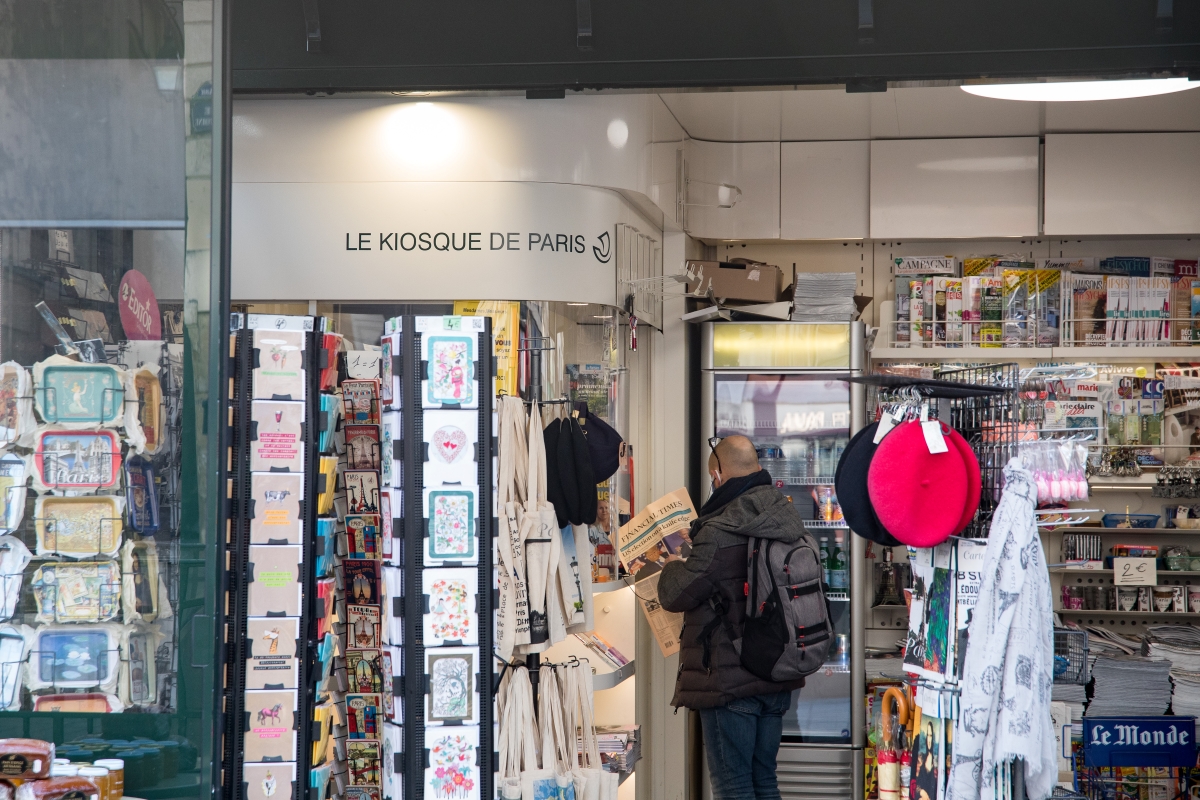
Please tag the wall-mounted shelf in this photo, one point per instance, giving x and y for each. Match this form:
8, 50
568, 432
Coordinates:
612, 586
1124, 531
1100, 354
607, 680
1162, 573
1102, 612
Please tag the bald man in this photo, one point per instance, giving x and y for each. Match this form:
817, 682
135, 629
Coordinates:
741, 714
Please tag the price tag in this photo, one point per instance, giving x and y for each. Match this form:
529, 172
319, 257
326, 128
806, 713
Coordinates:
1135, 571
934, 439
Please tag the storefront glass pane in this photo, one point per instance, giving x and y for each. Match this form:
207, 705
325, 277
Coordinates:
110, 532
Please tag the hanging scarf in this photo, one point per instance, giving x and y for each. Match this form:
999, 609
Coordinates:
1009, 668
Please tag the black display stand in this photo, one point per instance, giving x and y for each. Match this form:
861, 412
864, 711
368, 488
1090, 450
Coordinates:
413, 531
239, 570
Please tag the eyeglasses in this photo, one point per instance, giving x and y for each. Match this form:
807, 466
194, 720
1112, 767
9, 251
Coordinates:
713, 441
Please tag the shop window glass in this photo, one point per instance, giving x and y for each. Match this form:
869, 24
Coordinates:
109, 565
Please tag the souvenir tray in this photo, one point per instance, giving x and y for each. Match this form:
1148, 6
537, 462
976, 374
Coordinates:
16, 403
13, 474
139, 684
142, 584
450, 606
67, 459
77, 591
14, 650
86, 703
450, 439
275, 507
271, 729
75, 657
141, 492
79, 527
451, 515
451, 686
272, 781
14, 557
278, 365
275, 580
75, 394
453, 756
150, 408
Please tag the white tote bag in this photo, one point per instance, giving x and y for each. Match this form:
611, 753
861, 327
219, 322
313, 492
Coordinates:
556, 753
517, 745
601, 784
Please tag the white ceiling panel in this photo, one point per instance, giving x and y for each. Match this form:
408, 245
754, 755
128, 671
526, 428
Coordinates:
825, 114
948, 111
1168, 112
728, 116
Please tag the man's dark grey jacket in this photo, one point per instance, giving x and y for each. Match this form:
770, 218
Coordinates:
717, 565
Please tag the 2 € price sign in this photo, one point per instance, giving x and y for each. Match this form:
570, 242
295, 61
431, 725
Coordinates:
1135, 571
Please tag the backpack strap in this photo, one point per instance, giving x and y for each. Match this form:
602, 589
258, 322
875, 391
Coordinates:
793, 592
717, 604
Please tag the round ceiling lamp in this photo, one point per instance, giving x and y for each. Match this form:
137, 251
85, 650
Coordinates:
1077, 91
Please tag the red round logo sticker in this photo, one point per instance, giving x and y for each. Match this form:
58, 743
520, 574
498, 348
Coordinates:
139, 308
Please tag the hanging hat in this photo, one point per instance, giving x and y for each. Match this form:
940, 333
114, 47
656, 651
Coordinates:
585, 480
974, 478
920, 497
604, 444
850, 483
554, 488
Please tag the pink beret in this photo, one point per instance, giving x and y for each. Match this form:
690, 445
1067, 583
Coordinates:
974, 479
920, 497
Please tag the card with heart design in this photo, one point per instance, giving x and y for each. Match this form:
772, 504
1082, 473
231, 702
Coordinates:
450, 439
452, 686
451, 526
450, 606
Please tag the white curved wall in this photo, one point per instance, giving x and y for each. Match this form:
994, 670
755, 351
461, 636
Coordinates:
308, 173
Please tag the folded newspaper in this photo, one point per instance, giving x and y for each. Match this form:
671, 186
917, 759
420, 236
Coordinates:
643, 545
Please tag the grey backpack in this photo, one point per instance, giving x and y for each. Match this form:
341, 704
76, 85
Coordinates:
788, 633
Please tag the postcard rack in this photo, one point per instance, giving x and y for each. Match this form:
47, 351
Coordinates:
441, 348
391, 448
270, 630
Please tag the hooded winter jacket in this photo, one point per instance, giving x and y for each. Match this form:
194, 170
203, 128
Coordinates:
710, 670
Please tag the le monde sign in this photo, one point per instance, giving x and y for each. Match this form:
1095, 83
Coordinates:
407, 242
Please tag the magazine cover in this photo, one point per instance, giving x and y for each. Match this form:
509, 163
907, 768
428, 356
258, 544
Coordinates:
1089, 303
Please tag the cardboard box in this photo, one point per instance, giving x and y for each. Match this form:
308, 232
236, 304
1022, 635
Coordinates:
754, 282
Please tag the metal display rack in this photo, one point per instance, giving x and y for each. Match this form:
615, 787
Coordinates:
239, 572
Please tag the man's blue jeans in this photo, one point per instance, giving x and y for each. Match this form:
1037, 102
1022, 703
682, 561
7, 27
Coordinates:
742, 742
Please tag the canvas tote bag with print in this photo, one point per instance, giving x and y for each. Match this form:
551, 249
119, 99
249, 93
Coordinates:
517, 745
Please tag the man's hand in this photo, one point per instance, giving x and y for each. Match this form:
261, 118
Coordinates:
672, 557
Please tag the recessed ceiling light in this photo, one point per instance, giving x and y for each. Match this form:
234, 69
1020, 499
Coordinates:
577, 304
602, 316
1076, 91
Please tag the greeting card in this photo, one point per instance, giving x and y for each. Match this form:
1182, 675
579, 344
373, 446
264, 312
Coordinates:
271, 652
278, 365
360, 577
449, 378
272, 781
452, 773
360, 399
363, 447
389, 383
362, 626
275, 581
276, 436
364, 762
364, 718
451, 685
450, 439
362, 491
450, 526
271, 725
450, 606
275, 516
364, 670
363, 539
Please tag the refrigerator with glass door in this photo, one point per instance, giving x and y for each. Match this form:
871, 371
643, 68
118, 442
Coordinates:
784, 385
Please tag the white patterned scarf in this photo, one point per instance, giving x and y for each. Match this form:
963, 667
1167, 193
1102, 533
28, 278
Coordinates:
1009, 669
